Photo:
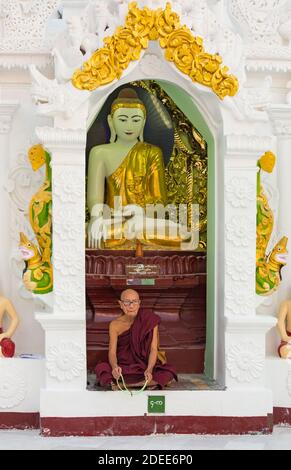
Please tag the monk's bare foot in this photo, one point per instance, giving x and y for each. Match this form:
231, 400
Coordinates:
170, 383
153, 385
114, 387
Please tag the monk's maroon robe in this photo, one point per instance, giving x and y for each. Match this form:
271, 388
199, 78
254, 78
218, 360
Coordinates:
7, 346
133, 350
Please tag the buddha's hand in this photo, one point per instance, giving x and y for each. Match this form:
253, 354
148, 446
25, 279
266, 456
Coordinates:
95, 232
135, 222
117, 372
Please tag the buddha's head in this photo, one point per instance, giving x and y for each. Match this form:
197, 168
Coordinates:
127, 118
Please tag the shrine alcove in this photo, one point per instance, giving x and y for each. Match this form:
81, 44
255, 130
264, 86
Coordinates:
178, 290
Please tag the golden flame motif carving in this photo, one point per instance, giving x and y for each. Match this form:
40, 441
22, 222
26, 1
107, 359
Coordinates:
181, 47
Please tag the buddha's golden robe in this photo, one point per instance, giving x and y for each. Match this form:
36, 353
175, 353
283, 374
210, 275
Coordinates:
139, 180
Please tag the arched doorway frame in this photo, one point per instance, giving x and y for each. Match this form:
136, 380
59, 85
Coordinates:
238, 331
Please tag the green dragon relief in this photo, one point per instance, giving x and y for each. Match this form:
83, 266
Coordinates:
38, 272
269, 266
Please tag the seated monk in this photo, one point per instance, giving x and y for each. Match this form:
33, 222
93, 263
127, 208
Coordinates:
134, 348
7, 346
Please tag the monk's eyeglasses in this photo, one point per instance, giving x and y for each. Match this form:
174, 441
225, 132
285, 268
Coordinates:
127, 303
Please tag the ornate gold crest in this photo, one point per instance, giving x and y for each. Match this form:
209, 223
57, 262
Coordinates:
181, 47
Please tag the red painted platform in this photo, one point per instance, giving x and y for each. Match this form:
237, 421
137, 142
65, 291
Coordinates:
148, 425
144, 425
19, 421
282, 416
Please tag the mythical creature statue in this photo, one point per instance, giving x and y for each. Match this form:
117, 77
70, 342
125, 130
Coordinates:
38, 272
269, 266
251, 103
53, 98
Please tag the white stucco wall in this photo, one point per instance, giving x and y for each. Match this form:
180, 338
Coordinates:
257, 120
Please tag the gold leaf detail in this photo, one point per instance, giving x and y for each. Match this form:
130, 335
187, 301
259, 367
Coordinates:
181, 47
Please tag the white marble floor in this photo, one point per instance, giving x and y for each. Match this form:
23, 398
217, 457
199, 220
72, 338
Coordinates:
30, 440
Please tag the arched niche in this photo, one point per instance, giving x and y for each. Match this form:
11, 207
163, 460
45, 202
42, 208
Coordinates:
237, 332
202, 108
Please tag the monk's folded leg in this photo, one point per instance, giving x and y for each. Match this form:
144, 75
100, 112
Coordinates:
164, 374
133, 374
104, 374
134, 380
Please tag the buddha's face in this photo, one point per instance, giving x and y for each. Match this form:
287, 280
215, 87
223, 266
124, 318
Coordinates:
128, 123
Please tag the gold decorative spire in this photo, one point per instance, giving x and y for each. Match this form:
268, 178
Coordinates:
181, 47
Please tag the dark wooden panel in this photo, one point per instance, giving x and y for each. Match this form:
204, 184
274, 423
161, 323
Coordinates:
178, 297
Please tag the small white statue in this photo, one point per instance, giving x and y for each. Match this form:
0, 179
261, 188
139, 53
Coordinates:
284, 327
7, 347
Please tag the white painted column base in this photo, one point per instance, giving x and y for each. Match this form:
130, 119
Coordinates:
20, 384
240, 403
279, 380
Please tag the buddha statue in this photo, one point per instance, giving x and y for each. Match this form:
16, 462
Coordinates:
126, 177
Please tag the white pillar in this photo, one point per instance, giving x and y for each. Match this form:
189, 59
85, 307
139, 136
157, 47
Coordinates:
66, 328
245, 332
281, 120
7, 111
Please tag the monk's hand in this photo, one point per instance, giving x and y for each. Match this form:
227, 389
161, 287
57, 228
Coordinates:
116, 372
148, 375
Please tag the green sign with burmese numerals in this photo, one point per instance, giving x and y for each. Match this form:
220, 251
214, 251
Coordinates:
156, 404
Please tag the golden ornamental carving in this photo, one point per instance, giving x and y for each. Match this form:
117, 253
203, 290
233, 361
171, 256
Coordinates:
188, 166
181, 47
269, 263
38, 272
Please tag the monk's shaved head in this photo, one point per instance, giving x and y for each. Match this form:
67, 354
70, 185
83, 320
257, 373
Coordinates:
129, 294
